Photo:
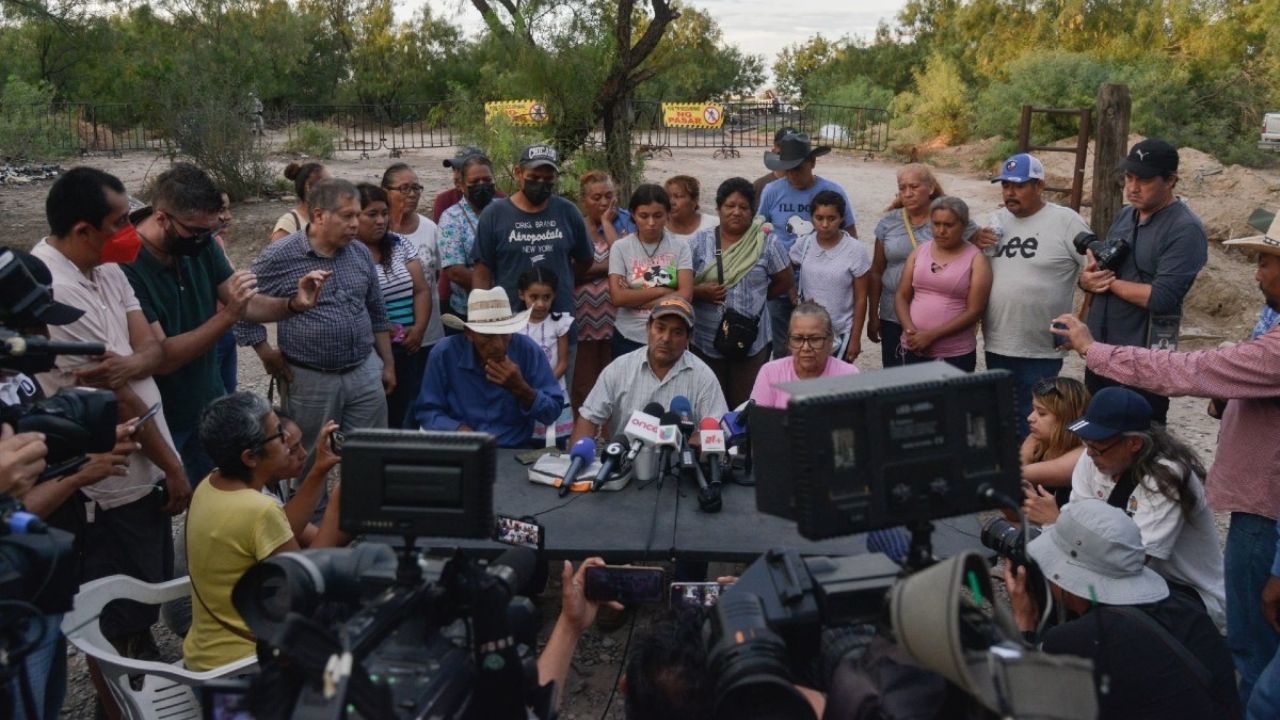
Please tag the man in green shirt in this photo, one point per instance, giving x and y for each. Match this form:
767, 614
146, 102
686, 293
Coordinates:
180, 277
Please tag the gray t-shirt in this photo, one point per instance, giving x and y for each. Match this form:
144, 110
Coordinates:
646, 266
827, 275
1167, 253
510, 241
891, 232
1034, 273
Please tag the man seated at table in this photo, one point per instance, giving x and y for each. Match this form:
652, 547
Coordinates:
491, 378
657, 373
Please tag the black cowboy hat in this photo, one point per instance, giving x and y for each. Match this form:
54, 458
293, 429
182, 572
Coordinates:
794, 149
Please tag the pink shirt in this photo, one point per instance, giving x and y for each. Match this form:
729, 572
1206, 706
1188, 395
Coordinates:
938, 297
783, 370
1245, 476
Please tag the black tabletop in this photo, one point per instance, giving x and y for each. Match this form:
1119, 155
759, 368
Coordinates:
652, 522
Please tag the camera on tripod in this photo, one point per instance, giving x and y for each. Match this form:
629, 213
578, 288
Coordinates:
1110, 254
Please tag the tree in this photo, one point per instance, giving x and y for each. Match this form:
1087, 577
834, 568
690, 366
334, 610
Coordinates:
797, 62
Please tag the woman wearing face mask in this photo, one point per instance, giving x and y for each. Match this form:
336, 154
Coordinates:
458, 229
403, 192
304, 177
645, 267
606, 222
406, 294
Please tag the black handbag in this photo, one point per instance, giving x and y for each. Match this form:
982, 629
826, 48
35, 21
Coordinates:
736, 332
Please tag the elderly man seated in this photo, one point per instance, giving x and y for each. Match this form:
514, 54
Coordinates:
232, 525
658, 372
489, 379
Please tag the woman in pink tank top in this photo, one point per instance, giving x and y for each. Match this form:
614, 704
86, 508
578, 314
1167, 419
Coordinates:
944, 291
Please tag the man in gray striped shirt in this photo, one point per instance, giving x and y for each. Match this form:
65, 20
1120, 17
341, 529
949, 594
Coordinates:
657, 373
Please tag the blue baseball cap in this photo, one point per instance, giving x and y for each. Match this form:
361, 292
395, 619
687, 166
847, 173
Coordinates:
1019, 169
1112, 411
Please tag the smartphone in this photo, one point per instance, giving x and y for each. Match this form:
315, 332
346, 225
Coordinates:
225, 700
1059, 340
521, 533
690, 595
145, 418
627, 584
336, 439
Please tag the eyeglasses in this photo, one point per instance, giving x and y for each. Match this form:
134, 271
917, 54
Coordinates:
1097, 449
1046, 386
408, 189
813, 341
279, 435
198, 236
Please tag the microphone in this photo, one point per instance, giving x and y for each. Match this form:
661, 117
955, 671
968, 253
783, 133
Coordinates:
668, 439
610, 459
713, 447
708, 495
682, 407
735, 422
583, 452
642, 428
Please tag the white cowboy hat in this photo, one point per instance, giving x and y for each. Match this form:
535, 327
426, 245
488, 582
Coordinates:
489, 313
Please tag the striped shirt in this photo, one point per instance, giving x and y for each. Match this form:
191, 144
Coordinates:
338, 331
747, 296
397, 284
628, 384
594, 311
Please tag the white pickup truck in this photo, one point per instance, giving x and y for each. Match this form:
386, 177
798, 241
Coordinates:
1270, 132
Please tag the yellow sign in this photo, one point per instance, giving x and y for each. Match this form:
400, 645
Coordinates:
518, 112
706, 116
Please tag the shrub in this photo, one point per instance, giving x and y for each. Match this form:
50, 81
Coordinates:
940, 106
222, 144
312, 139
857, 91
32, 127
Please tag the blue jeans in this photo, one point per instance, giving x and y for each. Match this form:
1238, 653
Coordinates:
1251, 546
226, 349
780, 324
195, 461
46, 668
1264, 703
1026, 372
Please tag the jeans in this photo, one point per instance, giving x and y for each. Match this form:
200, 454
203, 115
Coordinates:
890, 341
46, 671
195, 461
780, 324
1026, 372
1264, 703
226, 349
409, 371
1251, 546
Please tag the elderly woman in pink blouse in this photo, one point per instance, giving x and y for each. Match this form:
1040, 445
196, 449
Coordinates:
809, 337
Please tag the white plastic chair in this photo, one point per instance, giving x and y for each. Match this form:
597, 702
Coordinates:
167, 690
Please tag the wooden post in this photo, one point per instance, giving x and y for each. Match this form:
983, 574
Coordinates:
1110, 148
1082, 150
1024, 130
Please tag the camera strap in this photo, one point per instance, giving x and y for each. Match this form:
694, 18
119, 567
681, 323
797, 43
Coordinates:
1120, 494
1175, 646
196, 591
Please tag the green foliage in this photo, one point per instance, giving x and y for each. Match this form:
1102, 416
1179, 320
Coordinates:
31, 127
312, 139
800, 61
857, 91
1055, 78
940, 105
693, 63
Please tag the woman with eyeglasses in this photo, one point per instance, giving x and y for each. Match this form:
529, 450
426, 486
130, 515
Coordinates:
809, 337
304, 177
458, 227
1050, 452
403, 194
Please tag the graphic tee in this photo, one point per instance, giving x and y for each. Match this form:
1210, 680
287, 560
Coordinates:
646, 266
510, 241
791, 210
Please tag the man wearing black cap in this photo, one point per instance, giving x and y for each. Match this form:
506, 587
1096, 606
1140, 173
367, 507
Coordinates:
1140, 302
453, 195
788, 203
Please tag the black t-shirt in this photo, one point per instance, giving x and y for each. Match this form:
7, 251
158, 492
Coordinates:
1147, 679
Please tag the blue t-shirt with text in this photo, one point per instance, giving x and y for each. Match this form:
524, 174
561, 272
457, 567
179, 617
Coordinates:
791, 210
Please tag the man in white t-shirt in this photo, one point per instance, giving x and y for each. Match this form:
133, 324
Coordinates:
1034, 269
1156, 480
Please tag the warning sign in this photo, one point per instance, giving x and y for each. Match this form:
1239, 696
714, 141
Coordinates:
707, 116
517, 112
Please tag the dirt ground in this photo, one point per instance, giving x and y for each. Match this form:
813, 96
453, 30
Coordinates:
1222, 307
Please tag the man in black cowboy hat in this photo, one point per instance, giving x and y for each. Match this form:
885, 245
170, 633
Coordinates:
788, 203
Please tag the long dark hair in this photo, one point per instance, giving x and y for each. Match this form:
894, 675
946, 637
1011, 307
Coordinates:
1159, 449
370, 193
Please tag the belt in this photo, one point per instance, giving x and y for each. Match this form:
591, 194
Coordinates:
326, 371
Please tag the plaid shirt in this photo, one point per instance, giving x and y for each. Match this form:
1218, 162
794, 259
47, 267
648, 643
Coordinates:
338, 332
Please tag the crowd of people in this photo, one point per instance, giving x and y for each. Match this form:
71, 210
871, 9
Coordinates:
541, 321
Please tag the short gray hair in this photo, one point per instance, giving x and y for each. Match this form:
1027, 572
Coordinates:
229, 426
951, 204
809, 308
328, 195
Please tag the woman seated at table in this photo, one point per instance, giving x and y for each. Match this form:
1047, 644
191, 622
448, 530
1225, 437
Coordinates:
232, 525
809, 336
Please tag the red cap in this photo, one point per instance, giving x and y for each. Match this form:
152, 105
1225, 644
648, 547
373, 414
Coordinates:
709, 423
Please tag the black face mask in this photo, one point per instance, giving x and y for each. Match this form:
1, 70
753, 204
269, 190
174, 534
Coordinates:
537, 191
481, 195
190, 246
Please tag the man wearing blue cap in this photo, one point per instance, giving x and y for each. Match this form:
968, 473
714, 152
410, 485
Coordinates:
1139, 302
1034, 269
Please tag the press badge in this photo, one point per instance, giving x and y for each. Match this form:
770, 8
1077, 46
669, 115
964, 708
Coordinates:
1162, 332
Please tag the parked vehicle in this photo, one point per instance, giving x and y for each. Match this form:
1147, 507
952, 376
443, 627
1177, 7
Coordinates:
1270, 132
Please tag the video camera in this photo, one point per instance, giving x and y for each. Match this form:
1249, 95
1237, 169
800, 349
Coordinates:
360, 632
903, 446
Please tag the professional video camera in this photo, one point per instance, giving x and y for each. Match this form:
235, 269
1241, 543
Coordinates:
1110, 254
904, 446
359, 633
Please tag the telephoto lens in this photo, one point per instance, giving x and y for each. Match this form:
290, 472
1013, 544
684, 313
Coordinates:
1007, 540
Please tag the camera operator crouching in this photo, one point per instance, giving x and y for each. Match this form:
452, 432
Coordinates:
1156, 653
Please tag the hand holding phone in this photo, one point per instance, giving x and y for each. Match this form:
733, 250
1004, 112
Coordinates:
145, 418
627, 584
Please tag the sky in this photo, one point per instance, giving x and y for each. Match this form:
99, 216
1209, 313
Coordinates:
760, 27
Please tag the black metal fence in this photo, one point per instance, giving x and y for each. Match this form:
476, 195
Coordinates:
68, 128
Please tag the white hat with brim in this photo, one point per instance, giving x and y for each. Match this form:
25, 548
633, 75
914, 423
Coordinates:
1095, 552
488, 313
1268, 242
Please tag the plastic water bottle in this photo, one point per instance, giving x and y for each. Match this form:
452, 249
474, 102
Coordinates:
995, 226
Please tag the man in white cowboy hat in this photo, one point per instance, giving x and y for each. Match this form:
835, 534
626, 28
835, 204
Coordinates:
788, 204
1156, 653
1245, 477
489, 379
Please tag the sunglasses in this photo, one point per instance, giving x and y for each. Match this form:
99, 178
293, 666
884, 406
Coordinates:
1046, 386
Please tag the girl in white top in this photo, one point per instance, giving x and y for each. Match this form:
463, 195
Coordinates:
832, 267
537, 288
